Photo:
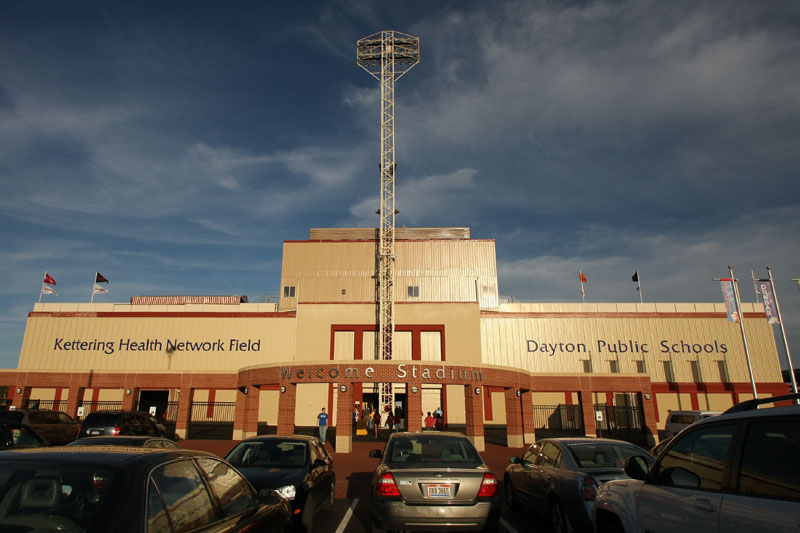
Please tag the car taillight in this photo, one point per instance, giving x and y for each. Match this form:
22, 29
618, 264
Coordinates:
488, 486
387, 487
116, 431
589, 487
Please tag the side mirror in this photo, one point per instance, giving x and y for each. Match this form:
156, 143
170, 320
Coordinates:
636, 467
375, 454
319, 463
515, 460
269, 497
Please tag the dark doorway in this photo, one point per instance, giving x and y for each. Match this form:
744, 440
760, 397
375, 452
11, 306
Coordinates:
154, 398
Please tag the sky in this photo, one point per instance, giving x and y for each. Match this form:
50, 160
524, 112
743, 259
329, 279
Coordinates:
174, 146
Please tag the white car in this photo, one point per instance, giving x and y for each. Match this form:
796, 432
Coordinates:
734, 472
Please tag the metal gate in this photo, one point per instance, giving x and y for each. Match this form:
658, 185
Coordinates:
558, 421
621, 422
212, 420
91, 407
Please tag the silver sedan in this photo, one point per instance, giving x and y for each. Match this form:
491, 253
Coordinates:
433, 481
559, 477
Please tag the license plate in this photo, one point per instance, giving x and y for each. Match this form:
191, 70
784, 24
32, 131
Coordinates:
440, 490
94, 432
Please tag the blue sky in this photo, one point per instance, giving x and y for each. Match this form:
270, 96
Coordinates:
174, 146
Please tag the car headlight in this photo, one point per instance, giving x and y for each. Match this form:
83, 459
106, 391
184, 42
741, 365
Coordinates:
287, 492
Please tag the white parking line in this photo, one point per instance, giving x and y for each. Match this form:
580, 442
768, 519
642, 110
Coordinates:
347, 516
507, 526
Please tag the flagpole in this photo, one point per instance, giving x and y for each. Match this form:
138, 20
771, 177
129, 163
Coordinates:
741, 325
783, 333
755, 284
639, 284
41, 289
580, 280
91, 300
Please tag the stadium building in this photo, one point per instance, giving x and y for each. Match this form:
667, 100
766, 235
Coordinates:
221, 366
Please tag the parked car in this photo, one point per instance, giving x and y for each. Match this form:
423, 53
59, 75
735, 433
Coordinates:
677, 420
56, 427
733, 472
136, 441
114, 423
298, 467
558, 477
97, 489
16, 435
428, 481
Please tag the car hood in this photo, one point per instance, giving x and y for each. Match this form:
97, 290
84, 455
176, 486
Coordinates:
273, 477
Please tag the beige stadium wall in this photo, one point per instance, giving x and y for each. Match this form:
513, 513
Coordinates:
551, 339
342, 271
143, 342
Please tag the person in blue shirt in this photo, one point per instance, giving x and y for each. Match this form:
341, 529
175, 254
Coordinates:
322, 422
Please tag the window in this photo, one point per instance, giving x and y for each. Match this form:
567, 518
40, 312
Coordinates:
614, 367
697, 459
723, 372
696, 376
288, 292
531, 453
549, 456
184, 496
587, 366
413, 291
770, 461
231, 489
641, 367
669, 376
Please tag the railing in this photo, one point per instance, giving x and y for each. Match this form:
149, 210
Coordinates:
212, 420
558, 420
91, 407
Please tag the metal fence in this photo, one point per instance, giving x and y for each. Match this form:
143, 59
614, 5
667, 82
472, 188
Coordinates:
622, 422
558, 420
91, 407
212, 420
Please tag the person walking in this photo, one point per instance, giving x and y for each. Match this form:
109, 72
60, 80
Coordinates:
322, 423
376, 417
390, 421
429, 421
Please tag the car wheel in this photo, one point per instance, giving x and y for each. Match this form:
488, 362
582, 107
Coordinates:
558, 520
329, 503
511, 497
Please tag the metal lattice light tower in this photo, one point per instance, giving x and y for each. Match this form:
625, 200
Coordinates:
387, 55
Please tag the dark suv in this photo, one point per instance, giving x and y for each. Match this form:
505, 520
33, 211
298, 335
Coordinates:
56, 427
121, 423
737, 471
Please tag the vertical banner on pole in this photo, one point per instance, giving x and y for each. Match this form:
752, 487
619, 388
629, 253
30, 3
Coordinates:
770, 309
730, 300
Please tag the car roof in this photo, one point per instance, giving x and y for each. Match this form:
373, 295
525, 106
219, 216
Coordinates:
427, 434
101, 455
782, 410
586, 440
262, 438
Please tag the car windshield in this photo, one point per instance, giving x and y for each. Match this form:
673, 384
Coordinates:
52, 496
420, 449
605, 454
273, 453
